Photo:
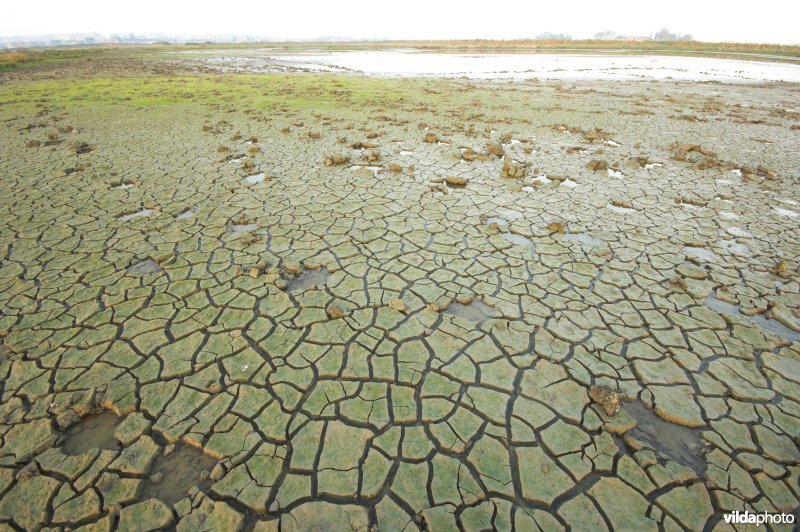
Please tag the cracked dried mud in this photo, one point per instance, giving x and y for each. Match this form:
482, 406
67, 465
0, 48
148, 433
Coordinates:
208, 320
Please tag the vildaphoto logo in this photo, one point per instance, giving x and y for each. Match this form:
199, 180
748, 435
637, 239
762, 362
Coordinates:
761, 518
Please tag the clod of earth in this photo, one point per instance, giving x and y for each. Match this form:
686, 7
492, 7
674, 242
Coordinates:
605, 397
336, 159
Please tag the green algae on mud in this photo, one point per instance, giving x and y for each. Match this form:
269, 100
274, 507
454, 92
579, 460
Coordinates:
266, 91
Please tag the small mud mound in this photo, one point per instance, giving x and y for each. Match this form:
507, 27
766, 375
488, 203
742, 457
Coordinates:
174, 475
606, 397
477, 311
92, 432
144, 268
676, 442
307, 279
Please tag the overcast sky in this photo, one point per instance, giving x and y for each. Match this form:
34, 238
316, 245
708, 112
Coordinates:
772, 21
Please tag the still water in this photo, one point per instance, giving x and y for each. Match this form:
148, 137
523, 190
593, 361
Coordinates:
564, 66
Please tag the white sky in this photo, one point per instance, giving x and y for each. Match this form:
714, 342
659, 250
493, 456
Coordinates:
708, 20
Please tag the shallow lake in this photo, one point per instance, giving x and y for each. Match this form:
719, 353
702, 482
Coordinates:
564, 66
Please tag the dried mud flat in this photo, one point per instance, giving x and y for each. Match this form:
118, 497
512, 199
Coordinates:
421, 311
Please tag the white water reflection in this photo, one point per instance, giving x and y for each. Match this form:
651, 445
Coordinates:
565, 66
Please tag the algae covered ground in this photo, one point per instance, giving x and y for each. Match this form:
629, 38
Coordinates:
335, 302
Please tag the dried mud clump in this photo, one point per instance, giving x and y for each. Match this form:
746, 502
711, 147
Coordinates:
513, 170
622, 204
640, 161
605, 397
757, 173
358, 145
82, 147
470, 155
597, 165
395, 168
495, 149
431, 138
372, 156
596, 134
555, 227
701, 158
335, 160
32, 143
456, 182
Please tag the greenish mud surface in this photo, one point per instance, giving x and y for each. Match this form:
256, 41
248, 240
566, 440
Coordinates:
421, 311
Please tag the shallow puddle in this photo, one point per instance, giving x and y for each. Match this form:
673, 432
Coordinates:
620, 210
144, 268
774, 326
785, 212
188, 213
477, 311
615, 173
255, 178
496, 222
307, 279
734, 248
519, 240
373, 169
92, 432
676, 442
138, 214
738, 232
699, 254
569, 183
173, 476
585, 239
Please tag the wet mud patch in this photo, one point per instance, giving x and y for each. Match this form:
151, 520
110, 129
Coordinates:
620, 207
307, 279
476, 311
669, 440
699, 254
173, 475
519, 240
585, 239
138, 214
144, 268
188, 213
771, 325
255, 178
241, 228
95, 431
124, 184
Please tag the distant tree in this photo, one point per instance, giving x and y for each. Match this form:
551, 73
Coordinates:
605, 35
547, 36
666, 35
